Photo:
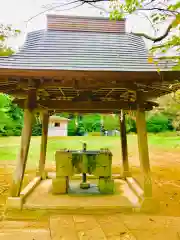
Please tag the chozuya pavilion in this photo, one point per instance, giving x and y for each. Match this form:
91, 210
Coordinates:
83, 65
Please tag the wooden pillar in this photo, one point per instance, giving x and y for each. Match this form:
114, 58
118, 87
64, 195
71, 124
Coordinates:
25, 142
143, 151
124, 147
43, 150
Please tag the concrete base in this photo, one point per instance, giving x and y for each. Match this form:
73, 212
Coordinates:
17, 202
106, 185
60, 185
30, 187
149, 205
126, 174
14, 203
135, 187
43, 175
41, 203
84, 185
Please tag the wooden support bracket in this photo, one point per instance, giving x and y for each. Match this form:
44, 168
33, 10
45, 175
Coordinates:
30, 104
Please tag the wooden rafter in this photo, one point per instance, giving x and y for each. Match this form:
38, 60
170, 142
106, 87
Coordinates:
62, 92
88, 106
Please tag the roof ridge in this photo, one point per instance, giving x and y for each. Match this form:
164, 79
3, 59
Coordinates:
80, 23
82, 17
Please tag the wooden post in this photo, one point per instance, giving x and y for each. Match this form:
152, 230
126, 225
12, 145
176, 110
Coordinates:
25, 142
124, 147
143, 151
45, 121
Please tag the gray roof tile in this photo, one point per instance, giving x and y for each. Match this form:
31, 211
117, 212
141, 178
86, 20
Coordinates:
66, 50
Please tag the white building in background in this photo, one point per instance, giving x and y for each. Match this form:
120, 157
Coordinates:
58, 126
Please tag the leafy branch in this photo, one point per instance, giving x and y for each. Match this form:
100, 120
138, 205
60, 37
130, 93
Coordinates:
156, 39
6, 31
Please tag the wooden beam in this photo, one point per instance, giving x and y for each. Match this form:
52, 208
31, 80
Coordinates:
24, 147
85, 85
84, 96
88, 106
124, 147
97, 75
143, 151
43, 149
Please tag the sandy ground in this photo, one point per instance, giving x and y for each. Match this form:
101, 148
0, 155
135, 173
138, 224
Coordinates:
165, 168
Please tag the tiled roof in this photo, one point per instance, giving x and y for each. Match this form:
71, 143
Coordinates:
84, 24
81, 50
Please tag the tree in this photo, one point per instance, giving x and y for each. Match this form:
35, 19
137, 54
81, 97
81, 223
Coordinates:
111, 122
6, 31
11, 117
92, 122
157, 122
157, 12
4, 107
169, 105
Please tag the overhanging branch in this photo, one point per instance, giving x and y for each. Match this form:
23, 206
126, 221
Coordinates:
155, 39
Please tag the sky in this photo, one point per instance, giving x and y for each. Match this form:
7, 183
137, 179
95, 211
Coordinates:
17, 13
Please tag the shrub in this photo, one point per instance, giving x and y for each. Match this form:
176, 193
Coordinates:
80, 131
157, 123
130, 124
71, 128
37, 129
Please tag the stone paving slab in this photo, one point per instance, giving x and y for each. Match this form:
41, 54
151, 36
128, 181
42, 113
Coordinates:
145, 227
156, 235
114, 228
94, 227
25, 234
62, 227
23, 225
149, 222
86, 227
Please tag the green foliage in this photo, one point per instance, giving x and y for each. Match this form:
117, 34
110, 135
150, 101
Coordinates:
158, 14
92, 122
130, 124
80, 131
37, 129
157, 123
6, 51
111, 122
11, 119
37, 126
6, 31
86, 123
4, 118
72, 127
168, 119
170, 106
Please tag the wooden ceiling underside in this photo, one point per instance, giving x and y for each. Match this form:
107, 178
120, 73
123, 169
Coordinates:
72, 89
66, 92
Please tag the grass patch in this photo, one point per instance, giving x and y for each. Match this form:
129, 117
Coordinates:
9, 146
164, 141
164, 160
